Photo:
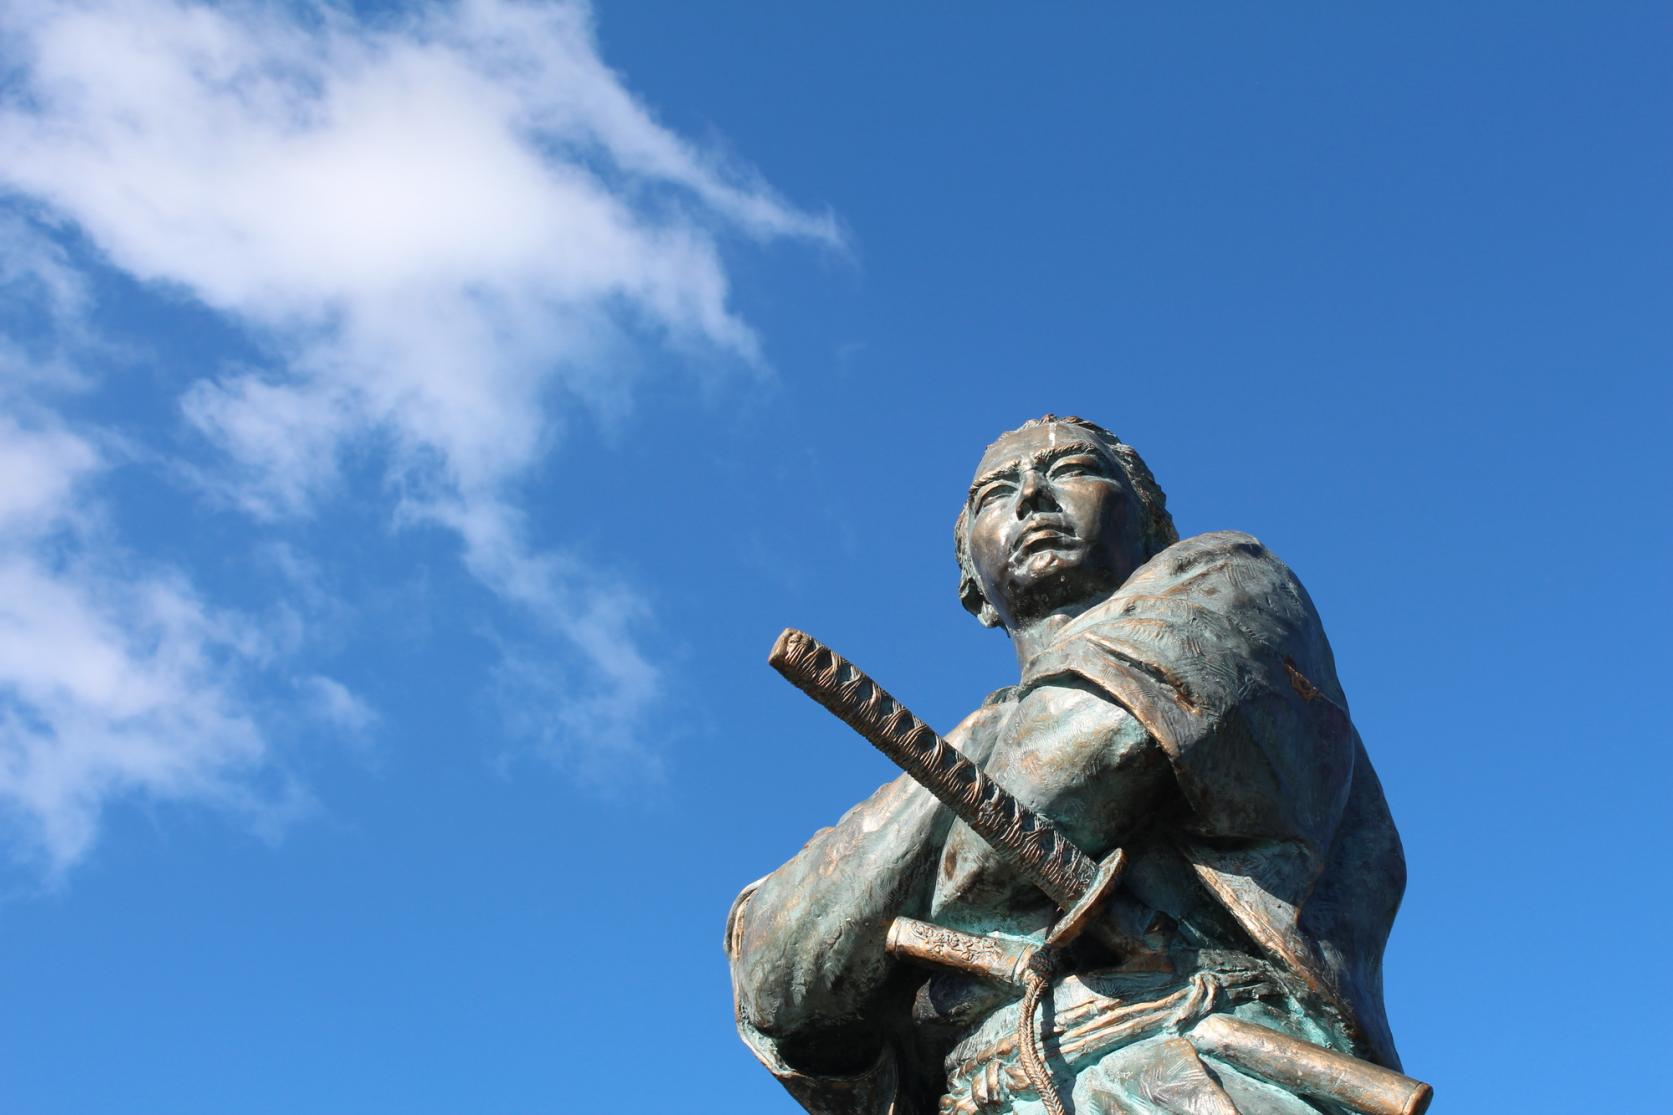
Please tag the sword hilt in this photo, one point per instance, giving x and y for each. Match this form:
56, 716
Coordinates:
1029, 842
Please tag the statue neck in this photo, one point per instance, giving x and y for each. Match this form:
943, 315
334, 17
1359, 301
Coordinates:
1036, 635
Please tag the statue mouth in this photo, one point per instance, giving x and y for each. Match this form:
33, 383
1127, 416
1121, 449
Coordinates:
1042, 537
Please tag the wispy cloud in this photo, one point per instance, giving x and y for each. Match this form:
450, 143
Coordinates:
439, 221
436, 225
116, 676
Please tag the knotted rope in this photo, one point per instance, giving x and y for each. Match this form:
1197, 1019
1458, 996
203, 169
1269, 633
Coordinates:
1030, 1050
984, 1077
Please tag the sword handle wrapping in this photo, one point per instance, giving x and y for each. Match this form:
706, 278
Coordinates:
1030, 842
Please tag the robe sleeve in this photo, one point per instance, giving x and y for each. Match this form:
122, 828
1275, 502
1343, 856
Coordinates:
809, 970
871, 1092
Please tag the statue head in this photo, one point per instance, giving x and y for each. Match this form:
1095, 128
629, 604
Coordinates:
1060, 513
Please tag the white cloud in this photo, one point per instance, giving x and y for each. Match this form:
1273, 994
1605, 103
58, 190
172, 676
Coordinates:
115, 687
438, 221
39, 469
335, 703
112, 680
436, 226
38, 283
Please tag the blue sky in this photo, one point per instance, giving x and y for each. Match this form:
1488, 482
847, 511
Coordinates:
415, 425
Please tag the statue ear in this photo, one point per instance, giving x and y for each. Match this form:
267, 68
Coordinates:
969, 589
970, 595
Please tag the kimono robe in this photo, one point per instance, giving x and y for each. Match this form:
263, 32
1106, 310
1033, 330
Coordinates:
1222, 757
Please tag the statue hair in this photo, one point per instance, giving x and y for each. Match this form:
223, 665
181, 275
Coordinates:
1159, 531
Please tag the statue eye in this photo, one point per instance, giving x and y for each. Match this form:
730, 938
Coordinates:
1074, 466
989, 493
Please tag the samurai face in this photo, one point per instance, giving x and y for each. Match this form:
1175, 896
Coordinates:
1051, 523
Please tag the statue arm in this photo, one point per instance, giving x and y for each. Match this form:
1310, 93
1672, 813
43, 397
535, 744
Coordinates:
810, 974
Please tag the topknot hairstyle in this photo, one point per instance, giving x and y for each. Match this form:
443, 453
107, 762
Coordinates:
1159, 531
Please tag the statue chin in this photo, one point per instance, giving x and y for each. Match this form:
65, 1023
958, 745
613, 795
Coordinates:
1061, 587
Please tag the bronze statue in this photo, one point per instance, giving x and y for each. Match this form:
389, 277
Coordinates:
1155, 876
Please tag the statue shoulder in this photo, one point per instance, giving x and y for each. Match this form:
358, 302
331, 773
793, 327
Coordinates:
1222, 596
1216, 549
1221, 571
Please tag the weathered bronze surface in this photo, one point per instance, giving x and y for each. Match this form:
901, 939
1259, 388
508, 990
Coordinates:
1024, 839
1311, 1069
1178, 719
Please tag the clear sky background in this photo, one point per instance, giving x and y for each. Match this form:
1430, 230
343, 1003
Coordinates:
416, 424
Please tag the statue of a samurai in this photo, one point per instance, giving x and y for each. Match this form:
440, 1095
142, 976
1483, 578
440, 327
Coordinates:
1177, 700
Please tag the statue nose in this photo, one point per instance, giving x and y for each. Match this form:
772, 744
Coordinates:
1034, 493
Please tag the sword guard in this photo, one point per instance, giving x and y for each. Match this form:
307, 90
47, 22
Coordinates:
1077, 917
